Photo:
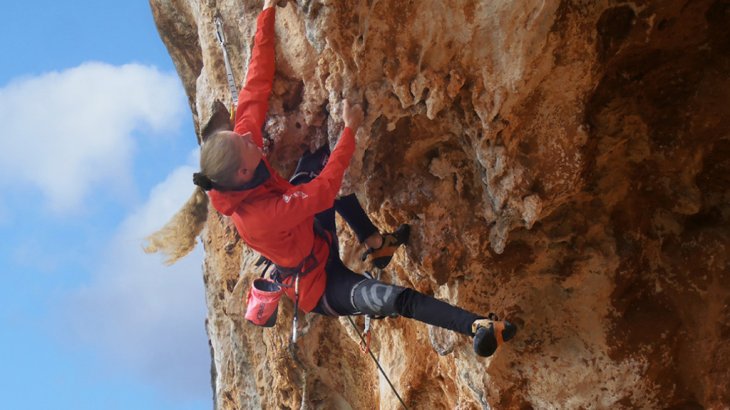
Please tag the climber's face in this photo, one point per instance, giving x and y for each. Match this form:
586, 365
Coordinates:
250, 157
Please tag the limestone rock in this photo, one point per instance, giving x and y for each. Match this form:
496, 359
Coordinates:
563, 163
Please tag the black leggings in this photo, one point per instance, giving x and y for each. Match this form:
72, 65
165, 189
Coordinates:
342, 282
348, 293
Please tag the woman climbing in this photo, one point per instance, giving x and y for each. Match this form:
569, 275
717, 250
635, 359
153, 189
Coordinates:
293, 226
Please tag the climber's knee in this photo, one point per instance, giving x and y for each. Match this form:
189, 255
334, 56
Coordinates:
372, 297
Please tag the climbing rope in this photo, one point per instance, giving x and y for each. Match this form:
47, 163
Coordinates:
377, 363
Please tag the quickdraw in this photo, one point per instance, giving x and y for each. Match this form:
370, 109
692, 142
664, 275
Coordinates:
220, 35
366, 334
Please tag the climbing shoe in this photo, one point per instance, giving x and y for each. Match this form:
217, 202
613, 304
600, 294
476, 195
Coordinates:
490, 333
380, 257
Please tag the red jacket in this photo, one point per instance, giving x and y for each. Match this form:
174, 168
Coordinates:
276, 218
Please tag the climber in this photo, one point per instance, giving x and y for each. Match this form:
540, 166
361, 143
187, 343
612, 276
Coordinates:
292, 224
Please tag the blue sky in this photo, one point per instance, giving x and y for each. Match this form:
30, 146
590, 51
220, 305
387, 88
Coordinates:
97, 151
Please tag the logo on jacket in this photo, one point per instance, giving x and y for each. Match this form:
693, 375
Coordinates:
296, 194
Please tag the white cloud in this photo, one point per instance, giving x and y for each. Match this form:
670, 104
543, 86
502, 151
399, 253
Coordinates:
69, 132
140, 315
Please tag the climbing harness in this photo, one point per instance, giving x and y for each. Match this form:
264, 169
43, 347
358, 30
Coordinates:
377, 363
220, 34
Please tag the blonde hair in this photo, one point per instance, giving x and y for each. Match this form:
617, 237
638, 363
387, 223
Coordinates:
220, 158
177, 238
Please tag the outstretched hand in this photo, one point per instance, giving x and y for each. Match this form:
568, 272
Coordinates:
352, 115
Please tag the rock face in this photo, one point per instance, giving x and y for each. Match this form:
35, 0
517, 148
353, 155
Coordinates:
563, 163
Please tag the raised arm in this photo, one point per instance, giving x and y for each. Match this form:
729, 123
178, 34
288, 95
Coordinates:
253, 101
303, 201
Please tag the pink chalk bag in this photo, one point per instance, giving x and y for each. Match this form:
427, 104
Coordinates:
263, 302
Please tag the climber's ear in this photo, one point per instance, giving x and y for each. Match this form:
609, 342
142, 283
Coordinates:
219, 121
